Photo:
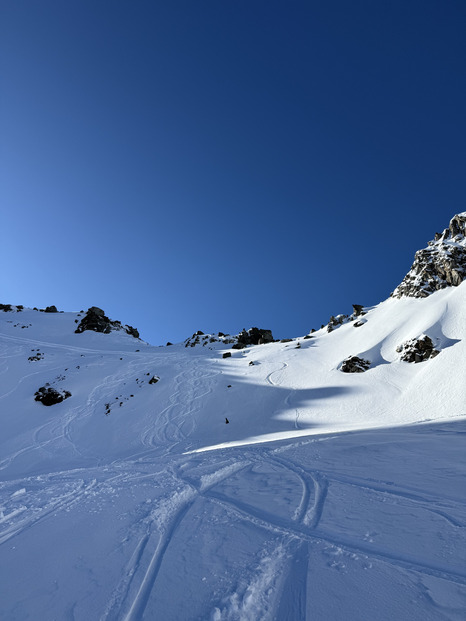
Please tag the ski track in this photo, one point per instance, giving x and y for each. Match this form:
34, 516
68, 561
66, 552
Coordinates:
257, 591
38, 514
131, 596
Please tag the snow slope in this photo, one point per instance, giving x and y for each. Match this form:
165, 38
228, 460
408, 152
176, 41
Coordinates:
327, 496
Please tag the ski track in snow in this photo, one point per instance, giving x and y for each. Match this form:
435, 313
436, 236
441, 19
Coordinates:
226, 486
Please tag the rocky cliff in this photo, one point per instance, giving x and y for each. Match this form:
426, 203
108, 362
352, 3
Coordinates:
442, 264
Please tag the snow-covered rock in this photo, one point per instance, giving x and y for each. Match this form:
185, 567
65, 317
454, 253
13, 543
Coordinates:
417, 350
354, 364
96, 320
253, 336
442, 264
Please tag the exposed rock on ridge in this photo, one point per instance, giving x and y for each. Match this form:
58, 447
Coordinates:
96, 320
253, 336
442, 264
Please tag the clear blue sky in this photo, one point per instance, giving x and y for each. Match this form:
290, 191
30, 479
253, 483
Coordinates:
215, 165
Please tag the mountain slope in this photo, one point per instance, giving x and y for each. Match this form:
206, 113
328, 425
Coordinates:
328, 495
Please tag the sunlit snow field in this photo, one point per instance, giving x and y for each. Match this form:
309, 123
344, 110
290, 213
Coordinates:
328, 496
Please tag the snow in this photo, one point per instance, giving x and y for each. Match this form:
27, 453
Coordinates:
328, 496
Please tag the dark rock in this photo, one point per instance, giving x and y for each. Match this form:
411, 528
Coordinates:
255, 336
251, 363
6, 308
132, 331
199, 333
417, 350
168, 344
50, 309
334, 322
354, 364
154, 379
358, 324
226, 420
95, 320
227, 354
286, 340
358, 310
442, 264
308, 336
50, 396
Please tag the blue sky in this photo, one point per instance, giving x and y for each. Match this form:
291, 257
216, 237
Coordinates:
217, 165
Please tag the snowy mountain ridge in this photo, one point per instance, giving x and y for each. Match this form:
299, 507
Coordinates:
442, 264
320, 477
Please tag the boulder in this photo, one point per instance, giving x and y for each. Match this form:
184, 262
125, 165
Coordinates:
417, 350
354, 364
255, 336
358, 310
50, 396
227, 354
95, 320
50, 309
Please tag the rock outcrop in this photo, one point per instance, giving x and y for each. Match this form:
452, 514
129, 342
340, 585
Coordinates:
96, 320
417, 350
442, 264
253, 336
354, 364
50, 396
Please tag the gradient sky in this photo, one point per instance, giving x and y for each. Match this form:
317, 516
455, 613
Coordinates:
214, 165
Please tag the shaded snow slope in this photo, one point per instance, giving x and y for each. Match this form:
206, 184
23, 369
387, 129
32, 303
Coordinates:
327, 494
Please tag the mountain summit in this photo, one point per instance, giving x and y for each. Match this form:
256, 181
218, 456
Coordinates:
442, 264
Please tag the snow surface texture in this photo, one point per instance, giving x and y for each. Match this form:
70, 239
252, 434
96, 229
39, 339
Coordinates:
328, 496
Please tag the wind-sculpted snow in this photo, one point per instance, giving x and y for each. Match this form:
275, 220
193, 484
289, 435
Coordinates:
328, 496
